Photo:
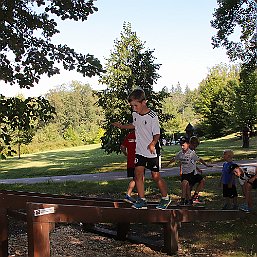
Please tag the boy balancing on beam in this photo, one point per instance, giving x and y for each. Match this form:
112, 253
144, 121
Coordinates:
147, 129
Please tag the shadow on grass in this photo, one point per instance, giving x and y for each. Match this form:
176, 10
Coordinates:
212, 150
62, 162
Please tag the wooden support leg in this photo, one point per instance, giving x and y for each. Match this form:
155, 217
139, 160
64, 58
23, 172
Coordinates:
3, 233
38, 239
171, 237
38, 235
122, 230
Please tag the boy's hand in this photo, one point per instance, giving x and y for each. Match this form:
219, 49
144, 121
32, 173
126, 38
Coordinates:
151, 148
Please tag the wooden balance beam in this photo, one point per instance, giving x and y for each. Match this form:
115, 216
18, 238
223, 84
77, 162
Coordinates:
95, 210
40, 217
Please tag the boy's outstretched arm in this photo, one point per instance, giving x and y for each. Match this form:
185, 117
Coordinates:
204, 163
121, 126
171, 161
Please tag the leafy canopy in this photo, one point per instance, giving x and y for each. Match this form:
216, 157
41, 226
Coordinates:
26, 29
232, 16
21, 117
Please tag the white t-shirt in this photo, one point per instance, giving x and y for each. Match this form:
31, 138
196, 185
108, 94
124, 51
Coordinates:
249, 171
188, 161
146, 126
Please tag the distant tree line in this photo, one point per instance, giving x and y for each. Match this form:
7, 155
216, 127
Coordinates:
222, 104
77, 121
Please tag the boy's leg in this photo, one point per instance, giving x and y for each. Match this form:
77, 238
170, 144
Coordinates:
184, 189
128, 197
153, 165
132, 183
160, 183
131, 186
248, 195
139, 181
200, 181
165, 201
200, 186
226, 197
188, 192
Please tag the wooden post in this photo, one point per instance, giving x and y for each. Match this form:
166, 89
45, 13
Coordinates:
122, 230
170, 232
38, 236
3, 233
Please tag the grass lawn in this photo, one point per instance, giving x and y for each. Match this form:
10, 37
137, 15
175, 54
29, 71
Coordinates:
92, 159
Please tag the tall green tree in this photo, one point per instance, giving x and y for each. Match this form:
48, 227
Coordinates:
245, 106
129, 66
214, 101
232, 16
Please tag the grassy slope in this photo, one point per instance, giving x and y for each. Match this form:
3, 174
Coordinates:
91, 159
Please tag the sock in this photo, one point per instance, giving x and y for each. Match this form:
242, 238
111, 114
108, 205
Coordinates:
166, 197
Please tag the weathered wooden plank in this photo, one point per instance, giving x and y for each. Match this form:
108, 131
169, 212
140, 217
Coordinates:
11, 201
3, 233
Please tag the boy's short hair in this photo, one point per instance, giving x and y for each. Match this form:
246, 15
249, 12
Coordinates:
232, 167
194, 140
183, 140
229, 151
137, 94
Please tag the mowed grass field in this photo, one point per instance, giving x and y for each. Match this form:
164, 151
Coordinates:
91, 159
228, 238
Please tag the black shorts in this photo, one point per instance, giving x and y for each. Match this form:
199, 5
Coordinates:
150, 163
131, 172
229, 192
192, 178
254, 184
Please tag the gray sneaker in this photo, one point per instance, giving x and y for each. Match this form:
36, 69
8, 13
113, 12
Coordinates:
140, 204
163, 204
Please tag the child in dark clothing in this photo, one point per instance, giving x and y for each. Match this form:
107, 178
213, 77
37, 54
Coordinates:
228, 182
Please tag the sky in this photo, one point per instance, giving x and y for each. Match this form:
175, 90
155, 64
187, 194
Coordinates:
179, 32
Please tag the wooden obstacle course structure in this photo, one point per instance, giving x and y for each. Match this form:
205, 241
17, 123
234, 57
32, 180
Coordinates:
44, 210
